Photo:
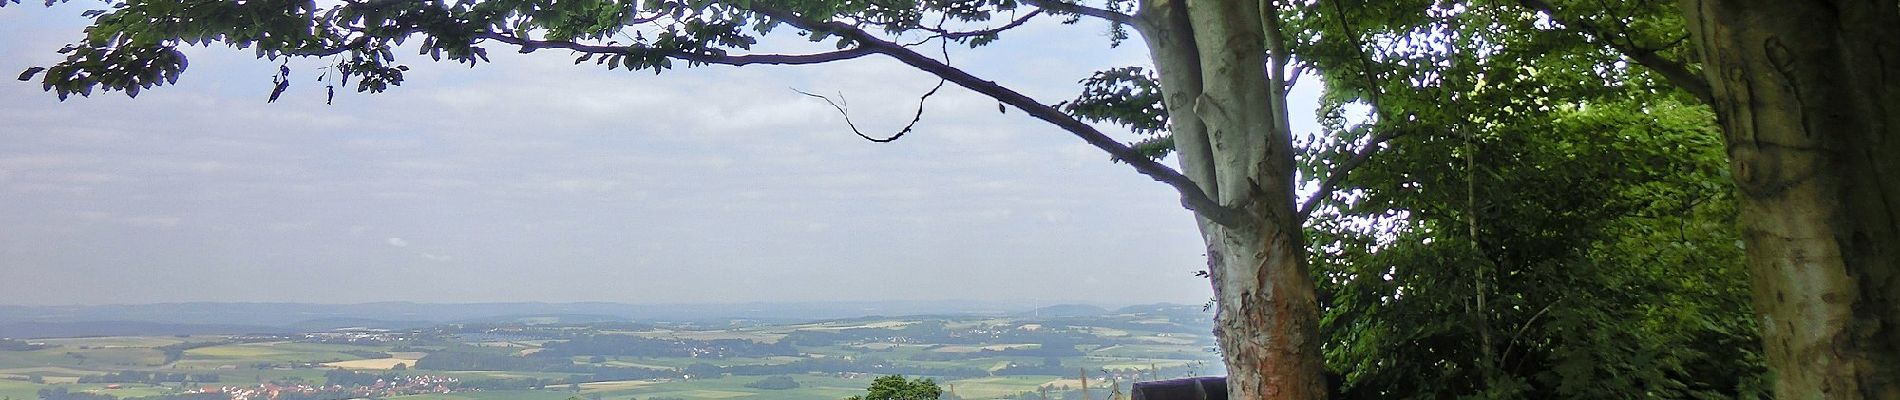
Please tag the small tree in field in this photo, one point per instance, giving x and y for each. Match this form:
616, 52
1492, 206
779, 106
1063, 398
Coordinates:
895, 387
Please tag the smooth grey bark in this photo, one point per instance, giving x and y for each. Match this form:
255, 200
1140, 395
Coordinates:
1228, 119
1807, 93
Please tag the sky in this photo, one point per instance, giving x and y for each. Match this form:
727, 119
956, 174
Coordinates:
533, 179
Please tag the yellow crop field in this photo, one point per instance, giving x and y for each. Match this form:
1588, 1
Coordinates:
610, 386
48, 372
374, 363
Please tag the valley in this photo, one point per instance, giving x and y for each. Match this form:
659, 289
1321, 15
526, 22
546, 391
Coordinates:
1022, 355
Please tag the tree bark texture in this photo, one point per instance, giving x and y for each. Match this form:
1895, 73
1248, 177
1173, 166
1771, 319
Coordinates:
1232, 139
1808, 97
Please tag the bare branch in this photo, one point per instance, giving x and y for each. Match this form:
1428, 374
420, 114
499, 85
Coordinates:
722, 59
1191, 195
1676, 72
943, 45
1527, 325
854, 127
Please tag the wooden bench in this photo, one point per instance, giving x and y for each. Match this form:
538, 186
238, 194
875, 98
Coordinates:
1202, 388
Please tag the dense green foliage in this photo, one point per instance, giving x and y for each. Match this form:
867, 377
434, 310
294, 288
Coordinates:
895, 387
60, 393
175, 351
343, 377
1544, 221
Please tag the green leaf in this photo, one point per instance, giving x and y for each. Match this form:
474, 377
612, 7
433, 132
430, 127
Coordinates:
30, 72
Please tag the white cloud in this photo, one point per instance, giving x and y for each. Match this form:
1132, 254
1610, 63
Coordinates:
595, 168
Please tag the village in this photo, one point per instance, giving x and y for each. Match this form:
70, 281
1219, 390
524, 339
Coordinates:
382, 387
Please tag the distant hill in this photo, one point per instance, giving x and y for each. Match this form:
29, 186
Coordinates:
34, 330
238, 318
547, 319
405, 314
1066, 310
1164, 308
324, 324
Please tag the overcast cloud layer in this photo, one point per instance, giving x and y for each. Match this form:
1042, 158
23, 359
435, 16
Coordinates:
536, 180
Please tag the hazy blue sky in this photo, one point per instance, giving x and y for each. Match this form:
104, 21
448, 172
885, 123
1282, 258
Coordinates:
536, 180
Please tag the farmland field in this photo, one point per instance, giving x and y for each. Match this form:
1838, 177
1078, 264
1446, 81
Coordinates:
981, 357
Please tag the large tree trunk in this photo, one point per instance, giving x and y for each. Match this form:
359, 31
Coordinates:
1230, 132
1808, 96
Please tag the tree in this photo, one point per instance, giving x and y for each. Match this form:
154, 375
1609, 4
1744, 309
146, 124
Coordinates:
1795, 92
1805, 93
895, 387
1611, 273
1798, 90
1572, 243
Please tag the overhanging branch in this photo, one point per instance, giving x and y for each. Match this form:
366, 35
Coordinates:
864, 43
1191, 195
1672, 70
722, 59
1337, 175
953, 35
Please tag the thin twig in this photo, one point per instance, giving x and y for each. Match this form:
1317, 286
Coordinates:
854, 127
1526, 326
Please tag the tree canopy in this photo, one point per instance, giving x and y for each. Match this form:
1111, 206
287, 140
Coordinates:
896, 387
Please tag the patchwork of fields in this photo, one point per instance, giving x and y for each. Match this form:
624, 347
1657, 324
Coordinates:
972, 358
